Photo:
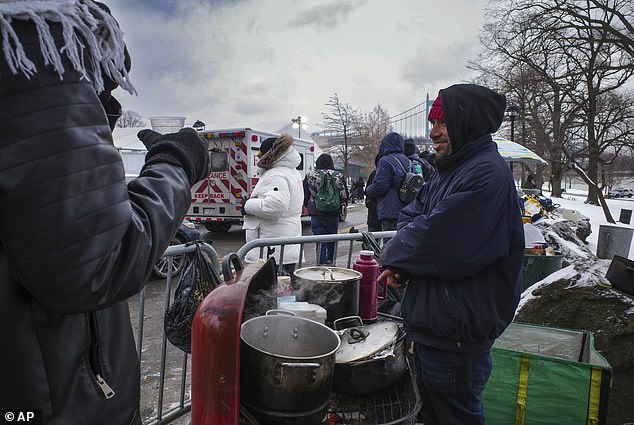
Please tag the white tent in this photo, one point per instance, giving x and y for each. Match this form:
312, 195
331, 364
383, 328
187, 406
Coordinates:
514, 152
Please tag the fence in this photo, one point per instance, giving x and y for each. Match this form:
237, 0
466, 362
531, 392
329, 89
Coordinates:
177, 373
172, 367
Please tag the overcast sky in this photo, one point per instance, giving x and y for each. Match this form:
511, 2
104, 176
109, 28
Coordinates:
259, 63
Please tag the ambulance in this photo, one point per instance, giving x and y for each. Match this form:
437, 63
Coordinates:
217, 200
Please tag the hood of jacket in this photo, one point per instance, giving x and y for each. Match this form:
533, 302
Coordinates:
280, 147
391, 143
470, 112
409, 148
290, 158
324, 162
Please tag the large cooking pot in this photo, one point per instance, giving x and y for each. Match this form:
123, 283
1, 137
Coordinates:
287, 365
370, 358
334, 288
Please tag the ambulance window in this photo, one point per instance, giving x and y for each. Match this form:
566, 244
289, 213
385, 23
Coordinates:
301, 163
219, 161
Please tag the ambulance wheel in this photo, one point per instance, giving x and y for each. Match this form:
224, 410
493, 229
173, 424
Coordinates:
160, 269
219, 226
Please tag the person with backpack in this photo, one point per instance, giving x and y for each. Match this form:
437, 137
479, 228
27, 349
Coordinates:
419, 165
385, 186
324, 193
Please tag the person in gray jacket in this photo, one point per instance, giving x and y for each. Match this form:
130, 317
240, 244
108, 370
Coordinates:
75, 241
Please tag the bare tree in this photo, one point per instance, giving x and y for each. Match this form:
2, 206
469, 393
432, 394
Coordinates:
130, 119
374, 127
342, 123
574, 52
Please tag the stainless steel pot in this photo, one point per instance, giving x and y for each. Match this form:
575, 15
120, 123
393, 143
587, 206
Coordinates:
287, 363
370, 358
334, 288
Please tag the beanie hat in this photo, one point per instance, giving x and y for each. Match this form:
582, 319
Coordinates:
266, 145
436, 110
324, 162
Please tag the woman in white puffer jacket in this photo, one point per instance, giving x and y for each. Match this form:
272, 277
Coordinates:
275, 206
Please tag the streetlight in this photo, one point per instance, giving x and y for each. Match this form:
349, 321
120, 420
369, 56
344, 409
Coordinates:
512, 112
299, 123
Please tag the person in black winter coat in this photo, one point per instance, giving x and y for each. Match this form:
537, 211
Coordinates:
76, 241
374, 225
460, 246
356, 190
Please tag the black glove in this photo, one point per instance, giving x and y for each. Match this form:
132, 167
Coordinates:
185, 149
148, 137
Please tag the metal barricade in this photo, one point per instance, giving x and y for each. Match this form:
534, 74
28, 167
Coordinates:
177, 375
316, 240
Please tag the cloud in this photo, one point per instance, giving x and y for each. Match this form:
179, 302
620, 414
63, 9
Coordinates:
326, 16
249, 62
429, 66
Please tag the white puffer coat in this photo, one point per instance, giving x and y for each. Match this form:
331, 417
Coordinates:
275, 208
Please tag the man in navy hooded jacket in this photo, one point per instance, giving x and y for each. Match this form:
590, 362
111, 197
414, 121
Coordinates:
387, 180
460, 244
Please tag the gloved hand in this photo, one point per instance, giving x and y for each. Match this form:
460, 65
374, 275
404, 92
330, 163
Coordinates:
185, 149
148, 137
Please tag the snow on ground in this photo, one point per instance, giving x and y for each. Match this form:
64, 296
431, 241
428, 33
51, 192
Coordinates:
574, 199
592, 271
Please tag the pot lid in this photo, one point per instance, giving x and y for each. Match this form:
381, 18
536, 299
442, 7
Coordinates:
361, 342
328, 274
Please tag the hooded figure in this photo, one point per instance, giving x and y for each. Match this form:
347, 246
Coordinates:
387, 180
374, 225
275, 206
461, 244
419, 164
91, 240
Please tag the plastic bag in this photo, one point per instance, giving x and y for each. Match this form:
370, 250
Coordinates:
196, 281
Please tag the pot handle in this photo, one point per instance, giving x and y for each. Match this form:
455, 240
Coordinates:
227, 273
278, 372
338, 321
299, 365
279, 312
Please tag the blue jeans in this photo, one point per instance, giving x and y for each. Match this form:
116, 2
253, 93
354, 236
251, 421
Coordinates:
451, 385
325, 225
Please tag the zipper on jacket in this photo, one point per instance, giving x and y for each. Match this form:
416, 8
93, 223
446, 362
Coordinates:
455, 316
93, 357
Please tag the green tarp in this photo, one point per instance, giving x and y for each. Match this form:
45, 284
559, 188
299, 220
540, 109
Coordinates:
543, 376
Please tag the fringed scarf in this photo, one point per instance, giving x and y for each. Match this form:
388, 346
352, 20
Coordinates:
88, 31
